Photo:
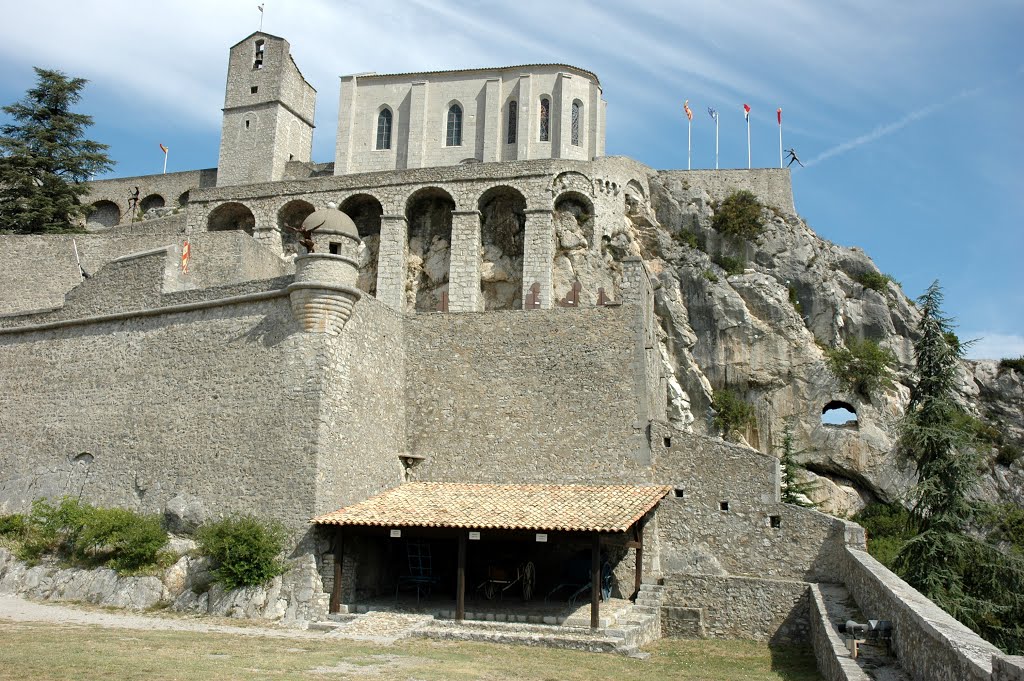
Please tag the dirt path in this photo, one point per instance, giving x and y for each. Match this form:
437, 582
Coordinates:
17, 609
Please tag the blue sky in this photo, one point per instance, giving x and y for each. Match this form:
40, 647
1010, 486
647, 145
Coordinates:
907, 114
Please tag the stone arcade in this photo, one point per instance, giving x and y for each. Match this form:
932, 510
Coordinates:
433, 337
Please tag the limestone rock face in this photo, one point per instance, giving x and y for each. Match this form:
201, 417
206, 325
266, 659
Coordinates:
760, 331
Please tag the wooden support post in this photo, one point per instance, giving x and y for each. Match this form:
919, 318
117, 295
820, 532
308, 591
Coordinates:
339, 557
639, 578
460, 587
595, 582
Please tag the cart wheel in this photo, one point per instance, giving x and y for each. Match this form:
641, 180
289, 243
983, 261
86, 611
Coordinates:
489, 591
529, 579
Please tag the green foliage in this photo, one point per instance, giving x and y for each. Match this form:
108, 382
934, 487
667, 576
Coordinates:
863, 366
795, 301
732, 413
1012, 364
793, 491
13, 525
874, 281
969, 578
44, 157
888, 529
711, 276
1008, 526
244, 548
687, 237
1009, 454
87, 536
739, 216
730, 264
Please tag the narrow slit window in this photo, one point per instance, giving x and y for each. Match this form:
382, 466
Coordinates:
257, 61
384, 129
454, 132
577, 111
513, 121
545, 120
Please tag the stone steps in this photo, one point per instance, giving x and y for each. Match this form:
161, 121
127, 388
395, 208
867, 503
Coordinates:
570, 638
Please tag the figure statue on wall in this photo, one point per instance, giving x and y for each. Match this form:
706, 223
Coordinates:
791, 155
306, 236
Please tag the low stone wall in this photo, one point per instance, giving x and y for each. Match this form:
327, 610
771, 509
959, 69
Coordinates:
928, 642
834, 660
741, 607
771, 185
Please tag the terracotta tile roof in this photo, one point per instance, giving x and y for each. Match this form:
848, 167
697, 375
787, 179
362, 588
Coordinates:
579, 508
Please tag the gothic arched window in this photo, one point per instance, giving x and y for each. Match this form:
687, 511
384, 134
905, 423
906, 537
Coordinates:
384, 129
454, 136
545, 120
513, 121
577, 113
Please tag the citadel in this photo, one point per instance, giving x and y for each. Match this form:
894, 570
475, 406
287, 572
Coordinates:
469, 364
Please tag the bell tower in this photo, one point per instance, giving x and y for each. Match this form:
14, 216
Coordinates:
268, 112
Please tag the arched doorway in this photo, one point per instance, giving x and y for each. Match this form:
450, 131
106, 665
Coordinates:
428, 213
291, 215
231, 216
150, 202
502, 230
365, 210
104, 214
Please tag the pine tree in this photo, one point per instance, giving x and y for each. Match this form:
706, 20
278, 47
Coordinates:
793, 491
969, 578
44, 158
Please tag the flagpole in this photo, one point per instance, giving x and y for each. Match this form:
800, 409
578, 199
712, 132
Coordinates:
716, 142
689, 143
748, 141
778, 114
165, 163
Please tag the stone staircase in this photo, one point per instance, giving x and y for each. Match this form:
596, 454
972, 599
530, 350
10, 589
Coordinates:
641, 623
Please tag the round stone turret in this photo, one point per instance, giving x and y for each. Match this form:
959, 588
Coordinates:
324, 291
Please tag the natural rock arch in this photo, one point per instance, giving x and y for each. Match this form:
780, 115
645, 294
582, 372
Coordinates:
502, 232
231, 216
150, 202
428, 212
104, 213
366, 210
291, 215
840, 414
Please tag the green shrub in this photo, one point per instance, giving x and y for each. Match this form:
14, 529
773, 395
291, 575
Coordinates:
711, 276
730, 264
1012, 364
795, 302
121, 539
887, 527
739, 216
89, 536
874, 281
687, 237
862, 366
1008, 454
732, 413
13, 525
245, 550
1009, 527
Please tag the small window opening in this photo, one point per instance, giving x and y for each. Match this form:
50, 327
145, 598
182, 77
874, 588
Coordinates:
291, 157
254, 89
668, 442
577, 112
775, 521
545, 120
334, 248
839, 415
246, 123
723, 505
84, 458
678, 492
513, 121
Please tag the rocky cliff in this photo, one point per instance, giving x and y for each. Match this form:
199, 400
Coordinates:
755, 316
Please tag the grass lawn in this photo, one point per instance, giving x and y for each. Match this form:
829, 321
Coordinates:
42, 652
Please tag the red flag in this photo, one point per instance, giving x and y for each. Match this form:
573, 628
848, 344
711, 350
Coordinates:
163, 148
686, 109
778, 112
746, 111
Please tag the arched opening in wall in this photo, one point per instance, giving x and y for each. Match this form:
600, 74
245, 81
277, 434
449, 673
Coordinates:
428, 213
502, 231
365, 211
183, 199
150, 202
581, 209
231, 216
839, 414
635, 198
104, 214
291, 215
577, 257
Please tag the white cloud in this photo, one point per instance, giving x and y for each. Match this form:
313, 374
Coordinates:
995, 345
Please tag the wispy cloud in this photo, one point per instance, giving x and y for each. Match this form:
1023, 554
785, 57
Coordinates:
995, 345
889, 128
